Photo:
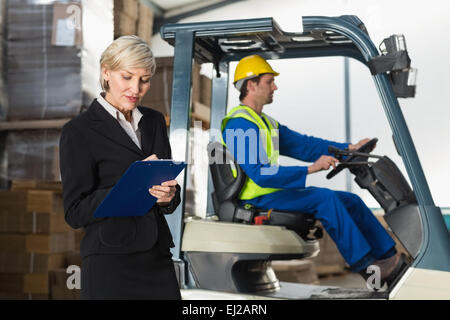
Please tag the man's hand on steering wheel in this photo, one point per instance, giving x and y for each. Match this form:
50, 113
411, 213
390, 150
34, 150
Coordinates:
363, 146
325, 162
354, 147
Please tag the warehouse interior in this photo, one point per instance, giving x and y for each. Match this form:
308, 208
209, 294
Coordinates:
49, 74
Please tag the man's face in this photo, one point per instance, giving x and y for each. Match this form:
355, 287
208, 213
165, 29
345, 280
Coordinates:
264, 90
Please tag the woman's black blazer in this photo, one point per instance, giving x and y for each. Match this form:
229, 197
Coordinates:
94, 153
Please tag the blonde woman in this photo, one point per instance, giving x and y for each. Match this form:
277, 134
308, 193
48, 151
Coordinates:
122, 257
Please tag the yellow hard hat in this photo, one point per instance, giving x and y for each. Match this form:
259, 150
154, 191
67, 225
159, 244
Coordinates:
251, 67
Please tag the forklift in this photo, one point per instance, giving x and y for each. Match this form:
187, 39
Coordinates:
227, 255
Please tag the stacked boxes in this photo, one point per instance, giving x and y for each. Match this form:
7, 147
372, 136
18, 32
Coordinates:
43, 77
44, 83
126, 13
33, 154
34, 239
63, 281
58, 286
132, 18
201, 97
160, 93
2, 83
159, 96
145, 23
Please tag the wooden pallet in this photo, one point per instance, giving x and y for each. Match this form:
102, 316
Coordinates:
24, 185
33, 124
330, 270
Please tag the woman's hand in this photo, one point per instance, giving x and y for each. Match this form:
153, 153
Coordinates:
152, 157
164, 192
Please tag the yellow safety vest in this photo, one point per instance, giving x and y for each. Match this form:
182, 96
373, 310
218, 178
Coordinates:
268, 134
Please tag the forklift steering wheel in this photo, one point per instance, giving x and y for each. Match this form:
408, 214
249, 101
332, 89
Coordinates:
366, 148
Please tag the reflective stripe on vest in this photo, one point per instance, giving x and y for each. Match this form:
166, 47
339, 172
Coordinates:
269, 140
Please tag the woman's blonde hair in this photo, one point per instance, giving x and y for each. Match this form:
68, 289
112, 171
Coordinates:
126, 52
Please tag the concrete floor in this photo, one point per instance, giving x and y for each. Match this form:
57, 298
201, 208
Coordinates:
346, 280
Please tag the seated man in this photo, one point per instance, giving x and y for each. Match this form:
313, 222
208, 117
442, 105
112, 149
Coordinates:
256, 140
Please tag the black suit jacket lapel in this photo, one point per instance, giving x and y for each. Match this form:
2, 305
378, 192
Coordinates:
109, 127
147, 127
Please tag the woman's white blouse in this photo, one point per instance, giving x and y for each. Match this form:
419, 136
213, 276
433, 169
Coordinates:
131, 128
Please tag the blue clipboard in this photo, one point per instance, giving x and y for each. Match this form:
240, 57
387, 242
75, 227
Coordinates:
130, 196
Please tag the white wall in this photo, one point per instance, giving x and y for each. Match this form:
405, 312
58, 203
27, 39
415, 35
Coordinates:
310, 98
99, 21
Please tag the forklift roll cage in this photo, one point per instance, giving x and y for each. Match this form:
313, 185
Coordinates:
222, 42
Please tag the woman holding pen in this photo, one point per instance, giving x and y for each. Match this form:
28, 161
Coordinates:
122, 257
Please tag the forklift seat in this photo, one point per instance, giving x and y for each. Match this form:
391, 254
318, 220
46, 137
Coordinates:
232, 254
226, 202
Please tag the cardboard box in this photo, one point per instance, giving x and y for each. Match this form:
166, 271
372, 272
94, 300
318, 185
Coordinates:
73, 258
39, 201
79, 234
44, 80
29, 54
58, 24
128, 7
33, 223
33, 154
25, 185
3, 107
30, 262
2, 17
206, 91
23, 296
23, 18
67, 25
159, 96
24, 283
27, 208
44, 92
58, 286
145, 23
37, 243
124, 25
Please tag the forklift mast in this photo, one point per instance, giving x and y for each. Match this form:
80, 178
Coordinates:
222, 42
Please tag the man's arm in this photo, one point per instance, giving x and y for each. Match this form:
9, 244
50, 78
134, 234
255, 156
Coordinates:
303, 147
243, 140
